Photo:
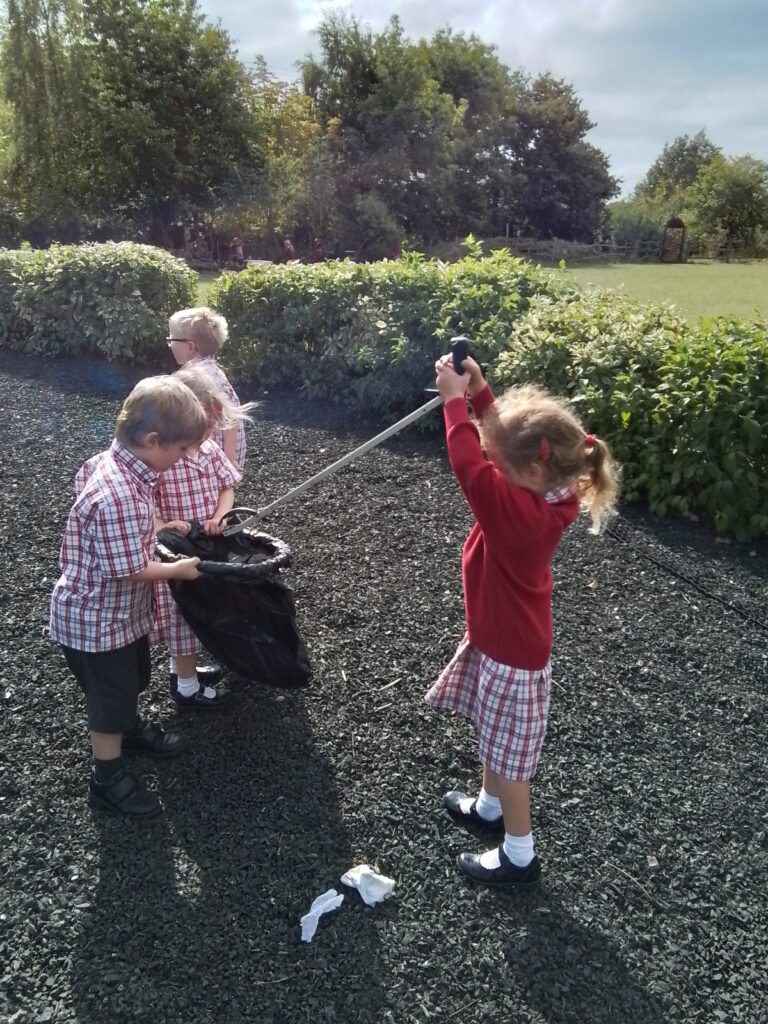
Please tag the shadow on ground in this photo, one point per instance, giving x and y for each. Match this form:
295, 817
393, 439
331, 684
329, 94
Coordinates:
570, 973
196, 916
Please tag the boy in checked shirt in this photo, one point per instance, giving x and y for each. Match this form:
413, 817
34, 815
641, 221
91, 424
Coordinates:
102, 607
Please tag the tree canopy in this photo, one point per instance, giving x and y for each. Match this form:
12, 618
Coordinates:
140, 114
677, 166
728, 200
723, 201
122, 109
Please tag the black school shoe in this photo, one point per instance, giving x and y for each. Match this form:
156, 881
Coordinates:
148, 738
123, 796
221, 697
207, 675
506, 874
452, 802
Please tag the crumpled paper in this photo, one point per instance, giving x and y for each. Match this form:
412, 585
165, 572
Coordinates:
373, 888
330, 900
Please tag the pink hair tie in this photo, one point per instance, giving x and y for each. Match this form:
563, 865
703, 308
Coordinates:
544, 452
589, 440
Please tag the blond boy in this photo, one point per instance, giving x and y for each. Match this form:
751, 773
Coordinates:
102, 608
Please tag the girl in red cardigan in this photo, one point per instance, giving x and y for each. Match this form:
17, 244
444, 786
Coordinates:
541, 466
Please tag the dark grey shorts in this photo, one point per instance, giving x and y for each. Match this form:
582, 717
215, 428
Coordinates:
111, 682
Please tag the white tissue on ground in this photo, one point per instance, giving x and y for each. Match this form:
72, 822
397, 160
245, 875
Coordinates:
330, 900
372, 887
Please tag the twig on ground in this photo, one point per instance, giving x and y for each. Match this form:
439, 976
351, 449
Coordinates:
649, 895
461, 1009
389, 686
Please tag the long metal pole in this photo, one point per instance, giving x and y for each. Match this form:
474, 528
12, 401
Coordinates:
459, 351
345, 460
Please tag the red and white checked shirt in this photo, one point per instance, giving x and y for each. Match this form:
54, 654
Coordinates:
209, 365
109, 536
190, 489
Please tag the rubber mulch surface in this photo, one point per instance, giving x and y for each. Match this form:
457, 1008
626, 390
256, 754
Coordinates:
649, 809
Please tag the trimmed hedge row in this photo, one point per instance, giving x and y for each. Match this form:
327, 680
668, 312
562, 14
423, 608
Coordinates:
685, 408
368, 334
111, 299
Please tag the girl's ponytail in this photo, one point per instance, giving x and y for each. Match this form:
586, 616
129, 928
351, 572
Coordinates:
599, 481
528, 426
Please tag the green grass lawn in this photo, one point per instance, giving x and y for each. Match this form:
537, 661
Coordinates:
205, 279
696, 289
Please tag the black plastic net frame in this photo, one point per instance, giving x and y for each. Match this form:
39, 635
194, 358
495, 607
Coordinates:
240, 608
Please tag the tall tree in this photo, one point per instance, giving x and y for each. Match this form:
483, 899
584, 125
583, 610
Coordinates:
676, 167
522, 158
728, 201
167, 97
386, 122
563, 181
134, 107
291, 189
469, 70
41, 82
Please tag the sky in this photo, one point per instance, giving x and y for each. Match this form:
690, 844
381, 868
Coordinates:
646, 71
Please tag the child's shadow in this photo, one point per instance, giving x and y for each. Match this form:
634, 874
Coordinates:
196, 916
572, 974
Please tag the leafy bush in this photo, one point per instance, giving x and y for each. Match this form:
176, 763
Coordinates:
637, 223
111, 299
683, 408
710, 411
367, 334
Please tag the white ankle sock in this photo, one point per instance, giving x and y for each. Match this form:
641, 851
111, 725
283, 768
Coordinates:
487, 806
490, 859
519, 849
188, 687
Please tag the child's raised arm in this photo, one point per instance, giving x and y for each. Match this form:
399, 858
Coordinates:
454, 385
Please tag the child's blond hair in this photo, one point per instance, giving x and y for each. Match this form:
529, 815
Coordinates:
221, 412
163, 406
206, 329
527, 425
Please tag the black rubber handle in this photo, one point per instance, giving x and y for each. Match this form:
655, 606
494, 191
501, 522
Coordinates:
459, 351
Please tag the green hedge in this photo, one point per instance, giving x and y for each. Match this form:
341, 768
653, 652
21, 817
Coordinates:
684, 408
368, 334
112, 299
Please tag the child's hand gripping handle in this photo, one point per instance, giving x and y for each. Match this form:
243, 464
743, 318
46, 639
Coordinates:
459, 351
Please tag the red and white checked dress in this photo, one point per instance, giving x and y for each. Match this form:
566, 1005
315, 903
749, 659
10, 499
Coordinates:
109, 536
209, 365
508, 706
189, 491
